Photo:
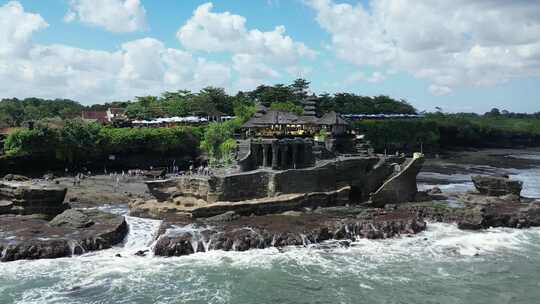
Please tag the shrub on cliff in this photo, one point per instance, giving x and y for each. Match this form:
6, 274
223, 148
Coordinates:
179, 140
218, 141
78, 141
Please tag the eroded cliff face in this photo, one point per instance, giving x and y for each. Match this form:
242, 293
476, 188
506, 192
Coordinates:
401, 186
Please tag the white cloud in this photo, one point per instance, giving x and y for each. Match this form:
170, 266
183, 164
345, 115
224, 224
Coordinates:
251, 72
375, 77
450, 43
113, 15
218, 32
254, 52
139, 67
439, 90
16, 28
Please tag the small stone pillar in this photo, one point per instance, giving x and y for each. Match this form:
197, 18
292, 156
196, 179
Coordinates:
294, 154
275, 151
284, 155
265, 155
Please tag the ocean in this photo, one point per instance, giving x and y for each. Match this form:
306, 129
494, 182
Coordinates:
441, 265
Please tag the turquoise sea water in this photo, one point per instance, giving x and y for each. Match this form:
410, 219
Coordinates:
440, 265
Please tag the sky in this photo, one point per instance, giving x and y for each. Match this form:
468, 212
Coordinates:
460, 55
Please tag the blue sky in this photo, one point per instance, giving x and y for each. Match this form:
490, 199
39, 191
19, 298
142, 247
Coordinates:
460, 55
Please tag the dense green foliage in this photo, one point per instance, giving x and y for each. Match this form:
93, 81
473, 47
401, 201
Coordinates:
355, 104
78, 141
14, 112
209, 101
400, 135
451, 131
287, 106
219, 143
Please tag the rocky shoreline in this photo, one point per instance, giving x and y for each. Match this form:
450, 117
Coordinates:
37, 223
48, 226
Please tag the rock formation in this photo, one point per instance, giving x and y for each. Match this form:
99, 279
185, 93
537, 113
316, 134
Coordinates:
401, 187
271, 191
70, 233
28, 198
282, 230
497, 186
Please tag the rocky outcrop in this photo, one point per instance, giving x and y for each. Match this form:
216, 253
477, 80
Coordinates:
27, 198
276, 204
497, 186
73, 232
268, 189
401, 187
267, 205
285, 230
477, 211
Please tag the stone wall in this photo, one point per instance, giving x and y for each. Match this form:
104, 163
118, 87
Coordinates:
242, 186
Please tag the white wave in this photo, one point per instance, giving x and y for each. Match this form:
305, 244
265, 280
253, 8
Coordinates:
531, 181
528, 156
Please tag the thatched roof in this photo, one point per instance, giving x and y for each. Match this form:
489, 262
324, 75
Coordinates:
332, 118
274, 117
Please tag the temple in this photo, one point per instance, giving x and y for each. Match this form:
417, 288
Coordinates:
286, 161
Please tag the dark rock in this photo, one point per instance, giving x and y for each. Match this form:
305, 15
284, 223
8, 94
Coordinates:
22, 237
141, 253
5, 206
401, 187
224, 217
29, 198
497, 186
279, 230
72, 218
16, 178
435, 190
511, 198
48, 176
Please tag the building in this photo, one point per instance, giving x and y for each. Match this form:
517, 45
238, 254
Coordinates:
267, 123
116, 114
95, 116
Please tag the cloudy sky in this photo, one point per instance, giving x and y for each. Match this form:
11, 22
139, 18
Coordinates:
461, 55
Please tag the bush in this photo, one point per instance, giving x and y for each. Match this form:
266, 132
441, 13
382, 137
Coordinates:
78, 142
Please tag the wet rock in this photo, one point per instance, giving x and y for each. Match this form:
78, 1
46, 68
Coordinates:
48, 176
510, 198
479, 212
5, 207
141, 253
16, 178
497, 185
225, 217
434, 190
23, 237
279, 231
72, 218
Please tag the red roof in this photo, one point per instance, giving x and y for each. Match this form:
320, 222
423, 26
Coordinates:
100, 116
6, 131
